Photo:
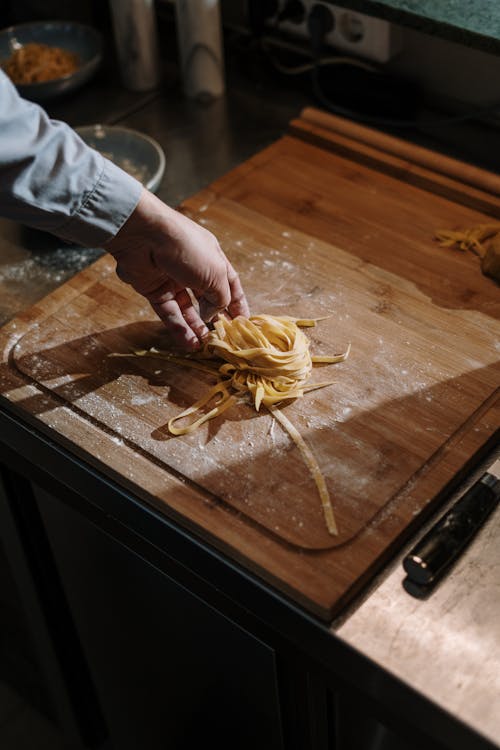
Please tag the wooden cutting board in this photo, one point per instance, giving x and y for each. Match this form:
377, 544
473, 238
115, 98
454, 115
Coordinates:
332, 220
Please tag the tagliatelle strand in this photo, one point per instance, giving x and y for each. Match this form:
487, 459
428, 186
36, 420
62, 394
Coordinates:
221, 405
313, 467
470, 238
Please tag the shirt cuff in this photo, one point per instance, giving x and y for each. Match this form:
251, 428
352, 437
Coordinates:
104, 210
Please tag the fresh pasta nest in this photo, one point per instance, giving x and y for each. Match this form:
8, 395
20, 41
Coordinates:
265, 357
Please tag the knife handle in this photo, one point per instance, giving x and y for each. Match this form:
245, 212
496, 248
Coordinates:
446, 539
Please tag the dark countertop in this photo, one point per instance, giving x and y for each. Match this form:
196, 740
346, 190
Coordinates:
475, 23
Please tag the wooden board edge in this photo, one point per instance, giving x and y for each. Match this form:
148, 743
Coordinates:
463, 172
439, 183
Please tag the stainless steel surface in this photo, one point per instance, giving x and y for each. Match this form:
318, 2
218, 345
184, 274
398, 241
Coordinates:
494, 469
446, 647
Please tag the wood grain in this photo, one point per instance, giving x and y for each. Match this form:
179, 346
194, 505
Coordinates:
312, 233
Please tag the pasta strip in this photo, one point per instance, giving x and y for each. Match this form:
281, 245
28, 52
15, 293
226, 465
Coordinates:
313, 467
483, 240
221, 405
472, 238
331, 360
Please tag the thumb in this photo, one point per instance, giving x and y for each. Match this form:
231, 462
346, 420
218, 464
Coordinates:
214, 300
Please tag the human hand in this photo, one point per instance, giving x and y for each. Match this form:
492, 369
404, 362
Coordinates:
163, 254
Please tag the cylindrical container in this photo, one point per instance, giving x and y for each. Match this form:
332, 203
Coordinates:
136, 39
199, 36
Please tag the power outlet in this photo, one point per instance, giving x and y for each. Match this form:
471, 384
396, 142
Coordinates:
355, 33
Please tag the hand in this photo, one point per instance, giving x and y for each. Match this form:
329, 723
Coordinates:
170, 260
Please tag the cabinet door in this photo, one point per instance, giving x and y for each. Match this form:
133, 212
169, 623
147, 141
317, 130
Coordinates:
170, 672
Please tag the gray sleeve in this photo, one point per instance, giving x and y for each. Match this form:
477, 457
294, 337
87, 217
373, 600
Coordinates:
50, 179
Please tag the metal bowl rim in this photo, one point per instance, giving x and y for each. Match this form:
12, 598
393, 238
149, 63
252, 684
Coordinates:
137, 133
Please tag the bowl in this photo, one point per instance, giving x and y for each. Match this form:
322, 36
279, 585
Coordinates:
135, 152
84, 41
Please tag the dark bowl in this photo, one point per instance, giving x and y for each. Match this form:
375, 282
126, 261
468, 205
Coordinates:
84, 41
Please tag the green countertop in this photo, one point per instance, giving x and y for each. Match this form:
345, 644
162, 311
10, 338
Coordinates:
475, 23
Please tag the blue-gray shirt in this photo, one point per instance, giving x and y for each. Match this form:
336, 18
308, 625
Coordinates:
50, 179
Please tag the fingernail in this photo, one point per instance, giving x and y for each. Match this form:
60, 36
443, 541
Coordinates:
207, 311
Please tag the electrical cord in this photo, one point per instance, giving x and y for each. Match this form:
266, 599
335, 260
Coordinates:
319, 24
294, 70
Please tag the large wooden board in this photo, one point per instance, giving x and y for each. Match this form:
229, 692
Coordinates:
314, 229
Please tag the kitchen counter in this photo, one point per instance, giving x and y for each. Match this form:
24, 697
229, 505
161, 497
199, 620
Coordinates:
445, 649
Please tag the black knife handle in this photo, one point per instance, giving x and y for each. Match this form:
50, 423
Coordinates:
446, 539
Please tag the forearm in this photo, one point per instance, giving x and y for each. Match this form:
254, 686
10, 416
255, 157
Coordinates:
50, 179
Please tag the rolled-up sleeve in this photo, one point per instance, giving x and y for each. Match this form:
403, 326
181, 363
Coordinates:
50, 179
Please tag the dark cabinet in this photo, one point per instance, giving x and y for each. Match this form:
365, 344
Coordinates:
169, 671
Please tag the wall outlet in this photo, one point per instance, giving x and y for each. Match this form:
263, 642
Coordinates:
354, 33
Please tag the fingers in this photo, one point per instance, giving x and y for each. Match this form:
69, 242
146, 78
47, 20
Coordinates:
191, 314
163, 255
181, 320
238, 304
209, 310
217, 295
228, 295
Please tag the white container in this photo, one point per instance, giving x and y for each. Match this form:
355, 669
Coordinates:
136, 39
199, 36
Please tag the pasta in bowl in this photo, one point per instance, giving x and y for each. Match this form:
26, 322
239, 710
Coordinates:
47, 59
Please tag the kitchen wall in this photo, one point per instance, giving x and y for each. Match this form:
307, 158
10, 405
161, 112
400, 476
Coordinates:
451, 75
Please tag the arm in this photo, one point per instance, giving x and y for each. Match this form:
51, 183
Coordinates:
51, 180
